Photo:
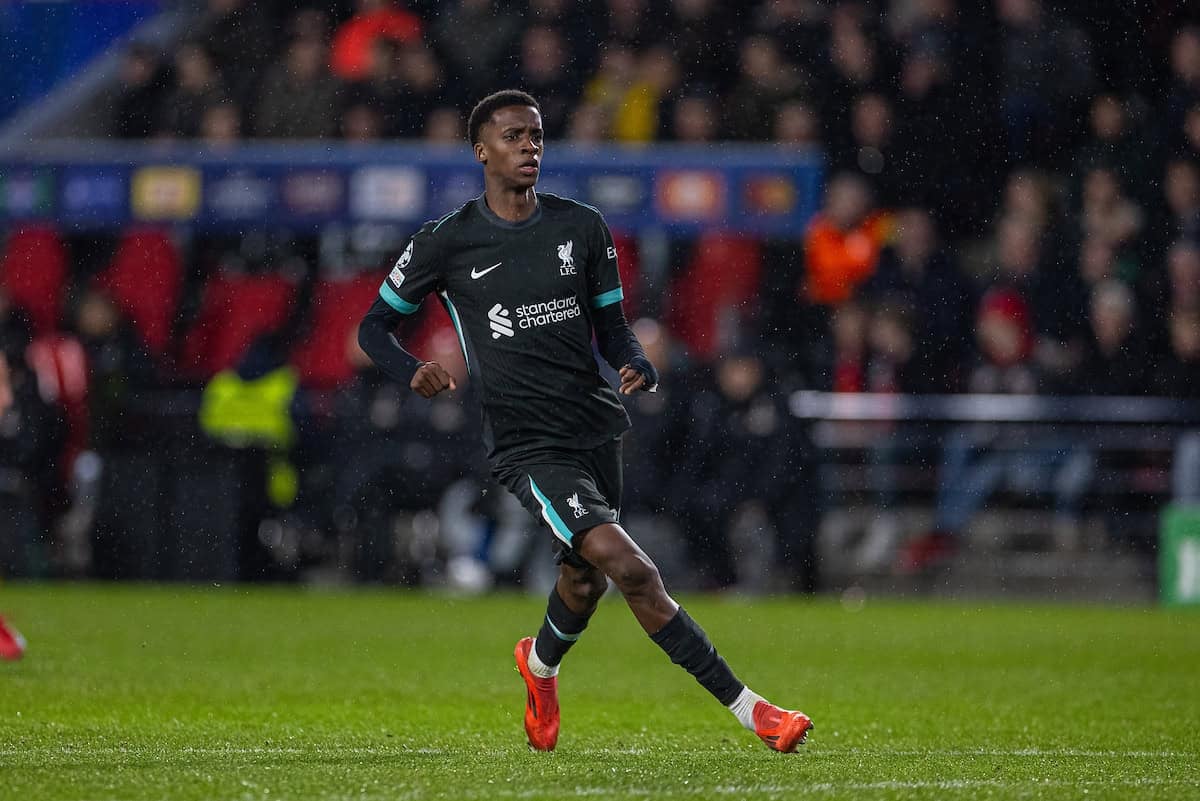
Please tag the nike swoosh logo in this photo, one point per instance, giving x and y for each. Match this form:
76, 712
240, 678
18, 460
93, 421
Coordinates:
481, 273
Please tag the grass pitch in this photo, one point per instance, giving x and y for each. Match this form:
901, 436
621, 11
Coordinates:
249, 693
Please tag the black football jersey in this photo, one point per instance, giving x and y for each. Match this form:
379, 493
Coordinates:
521, 296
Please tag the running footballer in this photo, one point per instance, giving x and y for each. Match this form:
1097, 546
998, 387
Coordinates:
528, 279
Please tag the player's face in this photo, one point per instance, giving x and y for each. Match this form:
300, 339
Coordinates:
511, 146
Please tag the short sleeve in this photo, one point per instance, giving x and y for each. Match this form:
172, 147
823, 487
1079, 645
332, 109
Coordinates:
415, 274
604, 280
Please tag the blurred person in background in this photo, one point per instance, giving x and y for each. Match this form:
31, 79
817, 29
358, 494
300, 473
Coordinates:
1115, 358
980, 458
242, 39
764, 81
353, 45
916, 271
843, 241
741, 473
1183, 90
143, 82
870, 152
475, 39
1044, 71
553, 424
299, 97
546, 70
198, 86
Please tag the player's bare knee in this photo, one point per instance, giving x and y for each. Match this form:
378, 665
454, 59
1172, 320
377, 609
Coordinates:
636, 575
588, 588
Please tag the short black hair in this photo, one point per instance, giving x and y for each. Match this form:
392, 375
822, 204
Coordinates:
489, 105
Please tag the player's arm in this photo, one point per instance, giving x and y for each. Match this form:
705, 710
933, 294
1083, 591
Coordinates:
411, 279
620, 348
615, 339
377, 339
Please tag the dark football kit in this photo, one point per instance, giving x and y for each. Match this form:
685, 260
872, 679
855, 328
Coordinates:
525, 299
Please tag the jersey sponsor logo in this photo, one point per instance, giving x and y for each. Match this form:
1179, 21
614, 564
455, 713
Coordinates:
568, 261
576, 506
477, 273
397, 274
500, 322
535, 315
612, 252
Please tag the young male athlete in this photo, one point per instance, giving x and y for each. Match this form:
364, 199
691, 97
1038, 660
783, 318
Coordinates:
527, 279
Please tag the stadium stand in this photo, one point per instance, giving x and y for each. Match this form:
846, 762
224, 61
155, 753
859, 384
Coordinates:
1011, 206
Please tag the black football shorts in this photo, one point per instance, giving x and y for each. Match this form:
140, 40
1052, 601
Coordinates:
568, 491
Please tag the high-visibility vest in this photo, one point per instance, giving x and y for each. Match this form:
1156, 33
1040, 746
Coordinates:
250, 413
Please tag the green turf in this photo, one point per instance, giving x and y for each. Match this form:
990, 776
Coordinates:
247, 693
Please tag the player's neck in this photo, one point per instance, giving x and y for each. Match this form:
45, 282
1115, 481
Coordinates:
512, 205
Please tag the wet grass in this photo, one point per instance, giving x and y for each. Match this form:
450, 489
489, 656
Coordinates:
248, 693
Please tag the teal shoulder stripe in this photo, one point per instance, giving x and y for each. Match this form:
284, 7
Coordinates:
395, 301
608, 298
573, 200
448, 216
549, 515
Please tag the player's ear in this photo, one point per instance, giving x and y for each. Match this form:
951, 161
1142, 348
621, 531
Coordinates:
480, 153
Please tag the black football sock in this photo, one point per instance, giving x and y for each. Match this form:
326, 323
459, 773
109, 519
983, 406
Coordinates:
559, 631
687, 645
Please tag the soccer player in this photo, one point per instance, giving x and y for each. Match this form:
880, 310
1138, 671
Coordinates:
12, 644
527, 279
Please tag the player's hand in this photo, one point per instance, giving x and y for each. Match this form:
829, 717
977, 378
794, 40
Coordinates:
430, 379
631, 380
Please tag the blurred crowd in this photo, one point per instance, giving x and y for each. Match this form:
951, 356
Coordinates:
1012, 205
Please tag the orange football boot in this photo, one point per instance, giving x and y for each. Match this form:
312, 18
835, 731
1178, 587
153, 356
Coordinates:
781, 729
12, 644
541, 702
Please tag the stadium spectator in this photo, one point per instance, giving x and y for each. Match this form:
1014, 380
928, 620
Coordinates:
796, 125
198, 86
1112, 142
351, 51
978, 459
361, 121
544, 68
589, 124
242, 40
444, 125
1044, 72
1181, 191
694, 119
843, 242
1115, 361
764, 81
221, 125
140, 94
870, 151
735, 471
1178, 374
855, 67
799, 26
1183, 91
698, 34
917, 273
299, 97
493, 28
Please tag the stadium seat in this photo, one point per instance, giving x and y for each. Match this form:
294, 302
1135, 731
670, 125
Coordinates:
337, 307
235, 309
721, 279
33, 268
144, 279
